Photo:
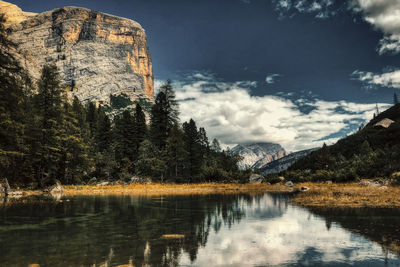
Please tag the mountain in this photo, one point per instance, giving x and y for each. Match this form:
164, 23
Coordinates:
285, 162
258, 154
101, 58
373, 151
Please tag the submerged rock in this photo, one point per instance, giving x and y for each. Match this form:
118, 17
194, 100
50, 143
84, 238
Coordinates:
304, 188
103, 184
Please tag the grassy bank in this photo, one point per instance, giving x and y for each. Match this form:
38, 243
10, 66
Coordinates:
348, 195
319, 194
173, 189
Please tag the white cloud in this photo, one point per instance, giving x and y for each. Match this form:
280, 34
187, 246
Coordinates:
321, 8
231, 114
383, 15
387, 79
271, 78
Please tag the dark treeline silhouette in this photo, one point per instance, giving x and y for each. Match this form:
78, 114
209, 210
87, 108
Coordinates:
373, 151
46, 136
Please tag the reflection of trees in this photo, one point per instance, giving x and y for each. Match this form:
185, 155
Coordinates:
111, 230
378, 225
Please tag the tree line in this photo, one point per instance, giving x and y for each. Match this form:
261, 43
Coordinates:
45, 136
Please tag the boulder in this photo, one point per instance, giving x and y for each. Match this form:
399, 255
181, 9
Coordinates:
92, 180
135, 180
365, 183
103, 184
395, 175
256, 178
281, 178
328, 182
289, 184
4, 187
374, 184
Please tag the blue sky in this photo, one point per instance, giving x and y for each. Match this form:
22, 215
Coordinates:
320, 65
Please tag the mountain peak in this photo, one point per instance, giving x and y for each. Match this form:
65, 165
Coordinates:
261, 153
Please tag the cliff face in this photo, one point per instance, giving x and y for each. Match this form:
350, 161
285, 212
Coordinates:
98, 55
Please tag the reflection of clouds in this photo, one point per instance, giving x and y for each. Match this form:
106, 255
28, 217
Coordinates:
294, 236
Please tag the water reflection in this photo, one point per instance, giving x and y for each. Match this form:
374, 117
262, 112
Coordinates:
236, 230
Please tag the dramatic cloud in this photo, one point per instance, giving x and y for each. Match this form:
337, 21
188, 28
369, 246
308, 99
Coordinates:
321, 8
383, 15
271, 78
231, 114
388, 79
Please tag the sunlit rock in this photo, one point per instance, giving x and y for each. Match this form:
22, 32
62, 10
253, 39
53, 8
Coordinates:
99, 55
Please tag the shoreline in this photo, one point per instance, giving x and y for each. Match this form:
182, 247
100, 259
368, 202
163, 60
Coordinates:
319, 195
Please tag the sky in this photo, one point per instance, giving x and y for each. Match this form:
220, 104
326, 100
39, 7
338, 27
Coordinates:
295, 72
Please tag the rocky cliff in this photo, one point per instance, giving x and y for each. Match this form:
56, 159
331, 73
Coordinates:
257, 154
98, 55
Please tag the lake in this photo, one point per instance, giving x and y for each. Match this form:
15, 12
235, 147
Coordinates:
203, 230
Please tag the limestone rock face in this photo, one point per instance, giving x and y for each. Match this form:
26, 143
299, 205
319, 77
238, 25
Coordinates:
98, 55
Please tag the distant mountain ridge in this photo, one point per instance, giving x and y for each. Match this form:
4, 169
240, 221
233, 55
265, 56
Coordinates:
285, 162
258, 154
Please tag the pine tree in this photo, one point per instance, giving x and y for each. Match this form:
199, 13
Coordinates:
175, 152
12, 104
150, 161
159, 121
215, 146
125, 153
103, 131
193, 147
74, 150
164, 115
203, 140
140, 127
172, 104
48, 104
91, 118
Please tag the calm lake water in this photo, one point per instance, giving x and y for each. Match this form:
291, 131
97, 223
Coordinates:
219, 230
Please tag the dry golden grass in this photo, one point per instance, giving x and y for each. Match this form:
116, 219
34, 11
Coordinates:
348, 195
319, 195
173, 189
